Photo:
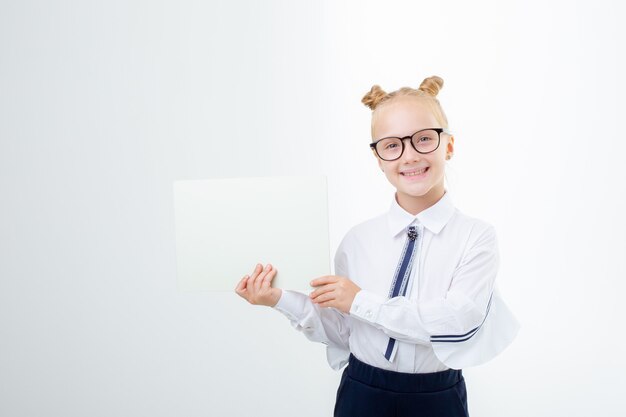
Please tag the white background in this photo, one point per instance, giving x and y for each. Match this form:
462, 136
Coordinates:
104, 104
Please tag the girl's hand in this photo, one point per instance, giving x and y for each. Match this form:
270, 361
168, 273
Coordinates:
257, 288
334, 291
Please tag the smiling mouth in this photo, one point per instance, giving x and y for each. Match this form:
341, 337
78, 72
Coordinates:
415, 173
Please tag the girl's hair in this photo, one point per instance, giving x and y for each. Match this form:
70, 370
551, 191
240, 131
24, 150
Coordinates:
426, 93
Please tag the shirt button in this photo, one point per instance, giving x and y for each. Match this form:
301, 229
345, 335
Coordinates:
368, 314
356, 308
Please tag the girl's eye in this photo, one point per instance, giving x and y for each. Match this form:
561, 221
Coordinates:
391, 146
424, 137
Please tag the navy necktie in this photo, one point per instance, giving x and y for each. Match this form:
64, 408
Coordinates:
401, 278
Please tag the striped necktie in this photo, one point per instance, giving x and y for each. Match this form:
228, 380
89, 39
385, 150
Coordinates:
401, 279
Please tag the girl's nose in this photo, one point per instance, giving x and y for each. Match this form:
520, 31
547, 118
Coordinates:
410, 154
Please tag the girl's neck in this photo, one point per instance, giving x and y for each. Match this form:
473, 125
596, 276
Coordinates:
415, 205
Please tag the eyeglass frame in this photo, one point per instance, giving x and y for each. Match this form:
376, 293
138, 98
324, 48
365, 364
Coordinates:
439, 130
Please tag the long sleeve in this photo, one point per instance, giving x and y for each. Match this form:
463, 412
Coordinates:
447, 323
326, 325
319, 324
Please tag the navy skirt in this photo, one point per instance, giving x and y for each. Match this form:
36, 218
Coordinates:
368, 391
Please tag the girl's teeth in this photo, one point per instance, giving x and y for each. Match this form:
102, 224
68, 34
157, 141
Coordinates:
411, 174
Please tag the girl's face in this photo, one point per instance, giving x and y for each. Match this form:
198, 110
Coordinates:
402, 117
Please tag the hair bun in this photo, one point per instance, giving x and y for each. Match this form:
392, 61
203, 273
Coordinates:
431, 85
373, 97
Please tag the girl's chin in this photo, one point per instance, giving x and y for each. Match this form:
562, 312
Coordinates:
416, 192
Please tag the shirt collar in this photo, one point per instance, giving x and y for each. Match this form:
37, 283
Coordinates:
434, 218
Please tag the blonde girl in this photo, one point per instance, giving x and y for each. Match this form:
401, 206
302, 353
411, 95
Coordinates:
414, 299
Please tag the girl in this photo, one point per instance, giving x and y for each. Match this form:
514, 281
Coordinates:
414, 299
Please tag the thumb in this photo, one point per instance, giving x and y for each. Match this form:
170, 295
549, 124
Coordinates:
241, 285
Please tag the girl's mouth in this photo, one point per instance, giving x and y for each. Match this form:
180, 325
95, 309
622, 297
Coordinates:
415, 174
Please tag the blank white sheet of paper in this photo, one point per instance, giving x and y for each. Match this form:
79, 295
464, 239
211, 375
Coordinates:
225, 226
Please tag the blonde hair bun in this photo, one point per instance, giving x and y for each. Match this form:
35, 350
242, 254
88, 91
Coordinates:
431, 85
373, 97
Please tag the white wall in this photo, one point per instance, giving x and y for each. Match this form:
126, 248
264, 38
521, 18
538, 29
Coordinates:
104, 104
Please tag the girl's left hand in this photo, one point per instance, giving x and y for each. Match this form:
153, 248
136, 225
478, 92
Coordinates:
334, 291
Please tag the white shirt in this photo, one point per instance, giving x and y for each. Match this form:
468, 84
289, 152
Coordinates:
451, 316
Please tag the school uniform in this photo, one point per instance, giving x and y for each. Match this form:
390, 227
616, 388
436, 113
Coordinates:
428, 307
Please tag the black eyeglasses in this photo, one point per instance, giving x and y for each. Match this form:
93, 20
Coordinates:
423, 141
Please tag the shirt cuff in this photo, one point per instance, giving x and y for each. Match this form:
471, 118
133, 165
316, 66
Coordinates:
366, 305
291, 304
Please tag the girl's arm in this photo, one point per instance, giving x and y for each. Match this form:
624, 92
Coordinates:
319, 324
454, 321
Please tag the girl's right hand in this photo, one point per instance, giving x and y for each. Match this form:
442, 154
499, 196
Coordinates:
257, 288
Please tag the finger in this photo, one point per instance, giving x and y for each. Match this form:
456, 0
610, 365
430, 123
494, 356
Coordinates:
328, 296
326, 279
329, 303
261, 277
267, 281
258, 268
255, 273
322, 290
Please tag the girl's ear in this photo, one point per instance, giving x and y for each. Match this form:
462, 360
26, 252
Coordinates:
450, 147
